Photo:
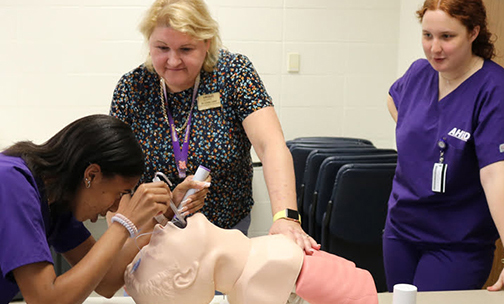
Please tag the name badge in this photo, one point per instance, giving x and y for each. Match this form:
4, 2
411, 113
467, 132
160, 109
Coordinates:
439, 177
209, 101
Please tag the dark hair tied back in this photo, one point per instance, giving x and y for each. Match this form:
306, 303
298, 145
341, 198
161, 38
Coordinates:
96, 139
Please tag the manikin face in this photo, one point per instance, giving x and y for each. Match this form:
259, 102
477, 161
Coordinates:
446, 42
173, 267
173, 239
102, 196
176, 57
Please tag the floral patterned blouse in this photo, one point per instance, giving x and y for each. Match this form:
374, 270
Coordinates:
217, 138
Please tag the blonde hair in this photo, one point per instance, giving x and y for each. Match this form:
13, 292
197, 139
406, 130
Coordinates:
191, 17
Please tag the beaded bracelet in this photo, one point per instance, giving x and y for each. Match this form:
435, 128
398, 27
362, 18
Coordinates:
121, 219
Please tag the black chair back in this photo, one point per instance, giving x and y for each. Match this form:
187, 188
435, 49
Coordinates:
300, 153
312, 168
328, 139
324, 183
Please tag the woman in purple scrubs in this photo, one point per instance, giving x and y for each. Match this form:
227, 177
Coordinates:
446, 209
48, 190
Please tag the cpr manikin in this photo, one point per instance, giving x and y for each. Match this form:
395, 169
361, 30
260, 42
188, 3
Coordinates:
186, 266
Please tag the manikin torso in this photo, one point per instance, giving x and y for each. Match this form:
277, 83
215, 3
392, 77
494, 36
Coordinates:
188, 265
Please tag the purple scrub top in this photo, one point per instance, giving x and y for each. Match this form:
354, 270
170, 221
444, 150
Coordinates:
471, 121
26, 231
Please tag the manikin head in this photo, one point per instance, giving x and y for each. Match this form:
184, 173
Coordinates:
165, 277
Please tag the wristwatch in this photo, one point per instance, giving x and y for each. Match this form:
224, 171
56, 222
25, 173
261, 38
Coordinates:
290, 214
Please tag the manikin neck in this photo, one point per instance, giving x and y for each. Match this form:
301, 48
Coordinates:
230, 260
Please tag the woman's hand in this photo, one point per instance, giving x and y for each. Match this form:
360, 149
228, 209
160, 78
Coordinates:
148, 200
293, 230
195, 201
265, 133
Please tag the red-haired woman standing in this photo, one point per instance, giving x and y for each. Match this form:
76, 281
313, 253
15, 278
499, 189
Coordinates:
446, 209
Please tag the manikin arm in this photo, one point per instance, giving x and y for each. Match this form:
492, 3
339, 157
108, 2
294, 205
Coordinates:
327, 278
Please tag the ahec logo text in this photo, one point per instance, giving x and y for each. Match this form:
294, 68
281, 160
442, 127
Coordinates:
460, 134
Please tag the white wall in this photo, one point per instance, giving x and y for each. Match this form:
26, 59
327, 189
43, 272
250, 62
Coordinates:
60, 60
410, 34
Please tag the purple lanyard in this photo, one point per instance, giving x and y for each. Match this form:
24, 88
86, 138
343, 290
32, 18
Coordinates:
181, 154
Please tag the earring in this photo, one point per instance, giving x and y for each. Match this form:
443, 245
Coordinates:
88, 182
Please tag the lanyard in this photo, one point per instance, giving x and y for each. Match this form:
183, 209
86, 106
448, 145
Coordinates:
439, 169
181, 154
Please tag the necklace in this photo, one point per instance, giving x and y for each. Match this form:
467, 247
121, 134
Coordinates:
180, 154
162, 92
462, 76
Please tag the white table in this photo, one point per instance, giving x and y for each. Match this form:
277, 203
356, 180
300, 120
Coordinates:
452, 297
441, 297
122, 300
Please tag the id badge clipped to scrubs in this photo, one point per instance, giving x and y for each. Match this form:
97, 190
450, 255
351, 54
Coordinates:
439, 170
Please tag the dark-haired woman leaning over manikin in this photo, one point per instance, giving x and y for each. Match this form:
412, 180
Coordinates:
88, 168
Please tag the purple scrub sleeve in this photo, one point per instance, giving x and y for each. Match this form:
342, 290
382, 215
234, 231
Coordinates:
26, 231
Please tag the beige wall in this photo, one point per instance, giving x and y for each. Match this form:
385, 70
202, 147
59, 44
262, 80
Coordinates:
60, 60
495, 11
410, 34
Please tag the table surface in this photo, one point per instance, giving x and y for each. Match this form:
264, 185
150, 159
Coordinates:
452, 297
125, 300
438, 297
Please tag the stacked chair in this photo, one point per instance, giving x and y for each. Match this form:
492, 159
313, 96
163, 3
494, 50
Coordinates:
324, 140
343, 185
322, 189
301, 147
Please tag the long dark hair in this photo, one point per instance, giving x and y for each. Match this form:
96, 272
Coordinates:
61, 161
471, 13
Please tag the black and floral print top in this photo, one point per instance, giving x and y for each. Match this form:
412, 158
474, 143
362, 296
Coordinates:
217, 138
